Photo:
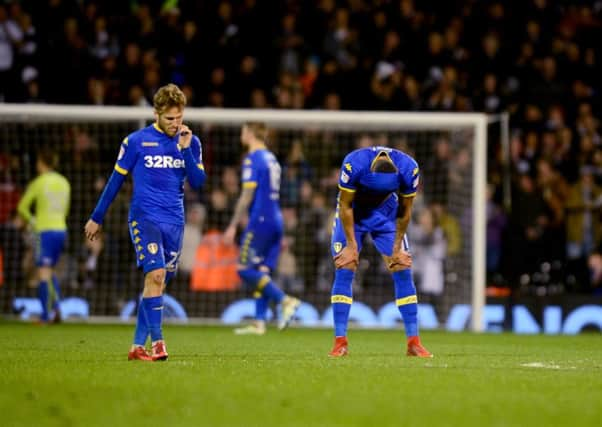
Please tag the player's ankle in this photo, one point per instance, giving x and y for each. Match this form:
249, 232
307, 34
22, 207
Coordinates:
414, 339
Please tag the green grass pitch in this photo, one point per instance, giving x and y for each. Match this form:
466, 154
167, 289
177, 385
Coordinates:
78, 375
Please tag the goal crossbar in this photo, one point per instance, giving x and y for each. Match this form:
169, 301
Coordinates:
346, 120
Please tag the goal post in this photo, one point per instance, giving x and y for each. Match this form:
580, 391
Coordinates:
324, 138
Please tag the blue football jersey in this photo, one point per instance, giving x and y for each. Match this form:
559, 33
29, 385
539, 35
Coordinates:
372, 188
261, 171
158, 169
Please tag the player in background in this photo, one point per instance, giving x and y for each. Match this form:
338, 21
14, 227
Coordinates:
158, 157
51, 194
261, 240
377, 188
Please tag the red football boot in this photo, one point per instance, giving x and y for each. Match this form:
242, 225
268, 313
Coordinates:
159, 351
139, 353
415, 348
340, 347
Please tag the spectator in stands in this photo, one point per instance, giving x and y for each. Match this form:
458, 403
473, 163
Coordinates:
195, 217
405, 55
583, 225
11, 36
296, 171
428, 245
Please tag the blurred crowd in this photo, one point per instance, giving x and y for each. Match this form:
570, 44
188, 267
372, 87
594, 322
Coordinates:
539, 60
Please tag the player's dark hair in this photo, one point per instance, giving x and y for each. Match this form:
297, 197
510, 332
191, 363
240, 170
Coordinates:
168, 96
259, 129
384, 165
48, 157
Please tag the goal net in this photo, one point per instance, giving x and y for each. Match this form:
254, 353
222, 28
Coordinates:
446, 235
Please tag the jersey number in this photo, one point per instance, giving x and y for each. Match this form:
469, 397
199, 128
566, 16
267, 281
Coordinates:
275, 171
172, 264
57, 201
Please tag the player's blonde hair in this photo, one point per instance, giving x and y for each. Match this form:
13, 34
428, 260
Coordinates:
168, 96
259, 129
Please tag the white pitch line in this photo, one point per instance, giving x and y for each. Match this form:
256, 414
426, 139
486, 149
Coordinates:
542, 365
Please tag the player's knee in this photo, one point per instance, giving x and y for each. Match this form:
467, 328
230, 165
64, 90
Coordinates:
44, 274
156, 278
249, 275
394, 268
350, 266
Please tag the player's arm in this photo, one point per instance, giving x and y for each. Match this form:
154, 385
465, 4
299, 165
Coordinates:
400, 257
242, 207
404, 213
193, 160
349, 256
23, 208
109, 193
125, 161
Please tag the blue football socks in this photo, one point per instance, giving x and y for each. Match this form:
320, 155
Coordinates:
341, 300
141, 333
153, 307
406, 301
261, 307
57, 292
261, 282
43, 297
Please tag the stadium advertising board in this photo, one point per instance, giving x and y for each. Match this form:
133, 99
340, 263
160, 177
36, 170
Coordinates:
572, 316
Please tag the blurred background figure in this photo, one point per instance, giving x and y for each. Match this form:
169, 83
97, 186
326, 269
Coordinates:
49, 195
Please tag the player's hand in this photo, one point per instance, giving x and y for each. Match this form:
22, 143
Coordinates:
185, 136
229, 235
401, 260
91, 229
349, 257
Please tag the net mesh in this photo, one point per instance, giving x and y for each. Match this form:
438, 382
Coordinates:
103, 273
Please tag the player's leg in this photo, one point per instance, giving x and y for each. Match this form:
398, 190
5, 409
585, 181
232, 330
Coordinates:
405, 291
342, 290
57, 299
45, 291
259, 253
146, 238
59, 238
289, 304
170, 247
48, 247
152, 301
257, 327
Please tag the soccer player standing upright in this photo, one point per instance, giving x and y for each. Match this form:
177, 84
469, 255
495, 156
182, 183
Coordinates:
377, 188
260, 242
51, 193
159, 157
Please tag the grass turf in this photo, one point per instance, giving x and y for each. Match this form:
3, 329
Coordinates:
78, 375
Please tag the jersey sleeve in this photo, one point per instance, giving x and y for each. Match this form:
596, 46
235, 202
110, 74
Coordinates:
410, 179
197, 152
249, 173
193, 162
127, 156
349, 175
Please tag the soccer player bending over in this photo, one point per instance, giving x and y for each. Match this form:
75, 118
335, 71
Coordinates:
260, 241
159, 157
377, 188
51, 193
